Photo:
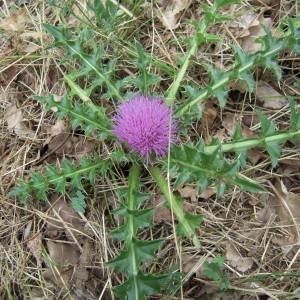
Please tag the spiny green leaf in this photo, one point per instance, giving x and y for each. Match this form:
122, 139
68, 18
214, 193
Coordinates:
241, 72
213, 271
221, 188
274, 150
268, 127
137, 287
58, 177
193, 221
270, 47
90, 62
78, 202
292, 41
106, 15
23, 191
219, 3
81, 115
137, 252
295, 114
241, 155
216, 88
37, 179
145, 79
141, 219
248, 185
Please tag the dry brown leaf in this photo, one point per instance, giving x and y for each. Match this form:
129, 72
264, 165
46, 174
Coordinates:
265, 3
207, 120
65, 212
27, 230
234, 258
59, 127
255, 30
71, 146
164, 214
35, 247
8, 75
287, 206
14, 118
254, 155
230, 121
170, 15
82, 274
269, 96
161, 213
189, 263
30, 47
208, 193
189, 192
15, 22
61, 279
209, 115
293, 164
63, 254
37, 294
238, 85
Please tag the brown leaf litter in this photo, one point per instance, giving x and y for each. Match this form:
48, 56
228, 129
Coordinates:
69, 248
63, 220
35, 246
170, 15
287, 207
16, 122
247, 27
270, 98
16, 22
236, 260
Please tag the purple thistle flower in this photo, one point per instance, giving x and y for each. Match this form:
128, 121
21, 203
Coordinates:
143, 122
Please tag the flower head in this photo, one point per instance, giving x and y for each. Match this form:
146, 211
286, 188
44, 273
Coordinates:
143, 122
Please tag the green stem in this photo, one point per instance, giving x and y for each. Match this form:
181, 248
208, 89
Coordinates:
192, 51
176, 83
71, 174
110, 86
251, 143
206, 92
84, 118
77, 90
175, 206
132, 185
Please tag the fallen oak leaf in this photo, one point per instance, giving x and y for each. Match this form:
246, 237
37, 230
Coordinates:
248, 42
63, 220
236, 260
270, 98
15, 121
170, 15
15, 22
59, 277
63, 254
189, 192
35, 247
287, 207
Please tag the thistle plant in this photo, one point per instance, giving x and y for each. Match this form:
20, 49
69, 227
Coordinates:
143, 123
146, 132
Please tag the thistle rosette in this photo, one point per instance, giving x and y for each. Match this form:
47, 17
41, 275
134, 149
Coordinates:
144, 124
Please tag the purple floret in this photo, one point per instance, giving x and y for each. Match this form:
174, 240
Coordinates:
143, 122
